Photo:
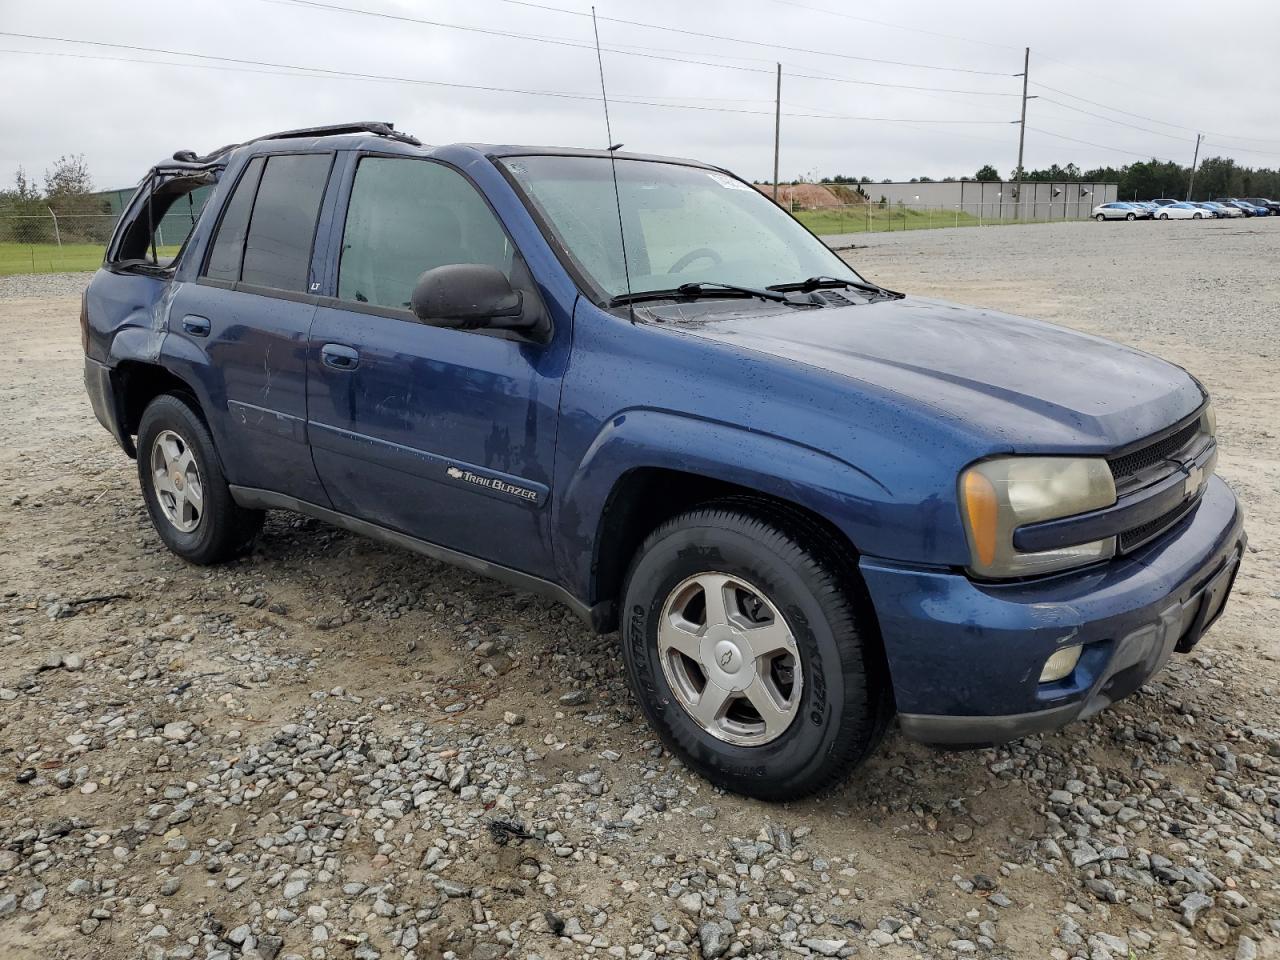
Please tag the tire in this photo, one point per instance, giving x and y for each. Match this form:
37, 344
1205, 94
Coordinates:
1164, 216
1131, 216
1101, 217
839, 695
178, 467
1196, 216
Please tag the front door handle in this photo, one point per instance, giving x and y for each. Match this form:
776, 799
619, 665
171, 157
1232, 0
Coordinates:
339, 357
196, 326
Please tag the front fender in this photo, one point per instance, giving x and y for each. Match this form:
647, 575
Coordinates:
847, 495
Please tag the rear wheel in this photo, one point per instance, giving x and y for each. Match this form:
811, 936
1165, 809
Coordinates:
751, 652
184, 487
1131, 216
1100, 217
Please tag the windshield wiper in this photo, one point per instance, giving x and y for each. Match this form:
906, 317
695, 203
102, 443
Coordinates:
704, 289
819, 283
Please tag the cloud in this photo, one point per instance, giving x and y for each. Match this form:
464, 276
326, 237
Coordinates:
125, 116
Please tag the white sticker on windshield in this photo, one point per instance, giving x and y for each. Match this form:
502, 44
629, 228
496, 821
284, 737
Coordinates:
728, 182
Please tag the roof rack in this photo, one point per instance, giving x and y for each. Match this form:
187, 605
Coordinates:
375, 127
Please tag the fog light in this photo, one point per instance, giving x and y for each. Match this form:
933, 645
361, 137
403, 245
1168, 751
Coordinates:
1060, 664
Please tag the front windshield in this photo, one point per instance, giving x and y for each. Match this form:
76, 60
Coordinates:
682, 224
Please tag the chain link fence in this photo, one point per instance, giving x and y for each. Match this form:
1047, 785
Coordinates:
55, 242
885, 217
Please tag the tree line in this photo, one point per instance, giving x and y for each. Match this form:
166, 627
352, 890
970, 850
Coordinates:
1144, 180
68, 191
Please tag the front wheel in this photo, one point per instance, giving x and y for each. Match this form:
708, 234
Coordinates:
1195, 216
184, 487
751, 651
1164, 216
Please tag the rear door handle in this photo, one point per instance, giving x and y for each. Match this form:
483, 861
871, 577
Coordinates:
196, 326
339, 357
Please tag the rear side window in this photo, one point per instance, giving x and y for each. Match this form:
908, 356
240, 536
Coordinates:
228, 245
267, 230
160, 225
407, 216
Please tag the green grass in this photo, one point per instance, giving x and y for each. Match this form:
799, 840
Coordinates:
877, 220
50, 258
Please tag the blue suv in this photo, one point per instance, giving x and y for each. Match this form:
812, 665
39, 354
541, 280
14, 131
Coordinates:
636, 385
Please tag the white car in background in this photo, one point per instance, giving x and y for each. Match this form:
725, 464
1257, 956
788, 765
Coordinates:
1118, 211
1182, 211
1226, 209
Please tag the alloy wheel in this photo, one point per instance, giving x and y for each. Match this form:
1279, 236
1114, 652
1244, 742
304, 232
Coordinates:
178, 486
730, 659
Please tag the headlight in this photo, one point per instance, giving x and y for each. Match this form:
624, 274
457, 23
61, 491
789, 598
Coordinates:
998, 496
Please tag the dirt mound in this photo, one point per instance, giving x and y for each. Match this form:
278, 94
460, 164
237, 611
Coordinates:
812, 196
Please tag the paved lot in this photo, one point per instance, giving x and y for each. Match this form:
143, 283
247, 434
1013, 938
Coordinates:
334, 749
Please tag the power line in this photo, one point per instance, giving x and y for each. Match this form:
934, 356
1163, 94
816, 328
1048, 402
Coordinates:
565, 42
1140, 116
310, 72
1122, 123
654, 26
921, 30
306, 74
632, 52
1101, 146
512, 35
1260, 153
1128, 86
896, 26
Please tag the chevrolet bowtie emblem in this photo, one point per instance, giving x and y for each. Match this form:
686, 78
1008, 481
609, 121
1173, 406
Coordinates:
1195, 477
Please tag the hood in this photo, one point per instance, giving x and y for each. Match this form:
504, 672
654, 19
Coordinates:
1025, 383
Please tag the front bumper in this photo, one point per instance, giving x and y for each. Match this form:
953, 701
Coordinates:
966, 657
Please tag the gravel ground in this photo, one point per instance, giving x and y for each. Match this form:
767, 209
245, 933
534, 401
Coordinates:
333, 749
42, 285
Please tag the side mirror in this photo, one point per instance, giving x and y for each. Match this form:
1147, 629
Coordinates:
467, 296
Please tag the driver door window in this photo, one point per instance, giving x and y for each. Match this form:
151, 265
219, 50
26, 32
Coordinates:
399, 411
408, 216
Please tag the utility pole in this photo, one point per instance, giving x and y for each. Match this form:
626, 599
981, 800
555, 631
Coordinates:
777, 131
1194, 160
1022, 128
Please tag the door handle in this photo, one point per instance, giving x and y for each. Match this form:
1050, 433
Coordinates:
196, 326
339, 357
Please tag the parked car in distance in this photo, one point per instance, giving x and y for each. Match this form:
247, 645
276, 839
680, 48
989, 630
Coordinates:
1163, 202
1271, 206
1255, 209
806, 502
1181, 210
1230, 209
1146, 211
1118, 211
1244, 206
1219, 210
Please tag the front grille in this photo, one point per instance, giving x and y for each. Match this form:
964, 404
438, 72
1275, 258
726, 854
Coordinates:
1143, 459
1137, 536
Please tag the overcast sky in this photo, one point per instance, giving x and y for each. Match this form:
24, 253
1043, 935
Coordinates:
1177, 62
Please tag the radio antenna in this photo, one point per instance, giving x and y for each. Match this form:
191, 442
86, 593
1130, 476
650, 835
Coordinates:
613, 168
